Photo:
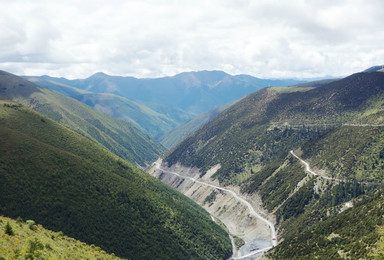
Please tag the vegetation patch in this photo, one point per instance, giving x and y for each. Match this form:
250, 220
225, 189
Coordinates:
42, 243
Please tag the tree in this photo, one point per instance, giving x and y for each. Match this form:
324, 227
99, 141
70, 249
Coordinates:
9, 230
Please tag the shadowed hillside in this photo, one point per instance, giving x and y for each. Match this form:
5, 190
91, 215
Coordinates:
66, 182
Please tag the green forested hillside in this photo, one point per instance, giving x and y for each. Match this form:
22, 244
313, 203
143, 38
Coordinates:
68, 183
356, 233
349, 151
116, 135
337, 128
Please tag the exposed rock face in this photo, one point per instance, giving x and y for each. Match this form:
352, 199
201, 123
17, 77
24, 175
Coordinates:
220, 204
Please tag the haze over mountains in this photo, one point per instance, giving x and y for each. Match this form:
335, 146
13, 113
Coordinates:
195, 92
158, 105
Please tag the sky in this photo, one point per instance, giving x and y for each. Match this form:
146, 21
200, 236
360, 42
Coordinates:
155, 38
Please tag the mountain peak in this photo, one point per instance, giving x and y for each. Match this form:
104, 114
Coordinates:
379, 68
99, 75
205, 73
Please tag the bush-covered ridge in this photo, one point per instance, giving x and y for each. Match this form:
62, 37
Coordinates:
335, 128
66, 182
355, 233
268, 124
31, 241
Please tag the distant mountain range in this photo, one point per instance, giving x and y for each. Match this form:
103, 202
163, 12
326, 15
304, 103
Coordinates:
195, 92
158, 105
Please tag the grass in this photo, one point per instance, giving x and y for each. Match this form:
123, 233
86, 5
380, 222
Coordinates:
41, 243
291, 89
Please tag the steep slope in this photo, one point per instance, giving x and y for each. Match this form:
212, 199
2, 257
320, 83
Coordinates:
194, 92
66, 182
116, 135
178, 133
268, 124
31, 241
153, 122
336, 128
356, 233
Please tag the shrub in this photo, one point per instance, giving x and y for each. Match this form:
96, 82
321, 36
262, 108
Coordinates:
32, 225
35, 245
8, 230
19, 220
30, 222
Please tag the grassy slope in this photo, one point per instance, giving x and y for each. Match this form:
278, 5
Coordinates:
264, 126
244, 131
43, 243
66, 182
116, 135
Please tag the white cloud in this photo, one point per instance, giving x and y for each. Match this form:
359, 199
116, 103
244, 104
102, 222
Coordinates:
265, 38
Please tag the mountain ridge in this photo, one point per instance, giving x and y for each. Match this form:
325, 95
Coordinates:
120, 137
336, 127
178, 90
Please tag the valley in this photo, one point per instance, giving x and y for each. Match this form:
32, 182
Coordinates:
242, 220
192, 130
255, 177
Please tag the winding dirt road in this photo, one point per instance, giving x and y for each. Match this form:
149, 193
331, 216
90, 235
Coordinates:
240, 199
308, 169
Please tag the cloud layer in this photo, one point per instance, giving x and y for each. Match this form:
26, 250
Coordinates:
151, 38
